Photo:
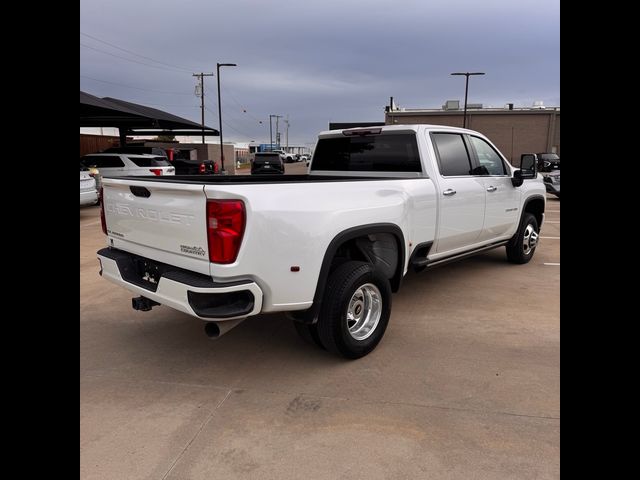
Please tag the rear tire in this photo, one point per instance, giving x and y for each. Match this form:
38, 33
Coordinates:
355, 310
522, 246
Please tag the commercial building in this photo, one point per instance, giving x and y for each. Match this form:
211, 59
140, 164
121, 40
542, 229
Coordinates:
513, 130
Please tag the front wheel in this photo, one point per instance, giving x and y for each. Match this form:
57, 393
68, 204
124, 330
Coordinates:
355, 310
521, 247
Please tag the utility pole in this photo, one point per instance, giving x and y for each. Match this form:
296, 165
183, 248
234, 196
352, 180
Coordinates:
287, 134
201, 75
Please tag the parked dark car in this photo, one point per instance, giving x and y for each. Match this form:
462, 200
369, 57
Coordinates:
267, 162
194, 167
552, 182
548, 162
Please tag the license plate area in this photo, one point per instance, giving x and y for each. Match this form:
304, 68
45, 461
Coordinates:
147, 271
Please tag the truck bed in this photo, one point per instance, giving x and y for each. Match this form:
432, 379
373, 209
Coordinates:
257, 179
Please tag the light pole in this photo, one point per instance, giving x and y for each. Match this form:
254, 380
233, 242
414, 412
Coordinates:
287, 136
271, 131
466, 91
218, 65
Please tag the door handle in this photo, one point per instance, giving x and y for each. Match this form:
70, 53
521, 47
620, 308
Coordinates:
492, 189
449, 191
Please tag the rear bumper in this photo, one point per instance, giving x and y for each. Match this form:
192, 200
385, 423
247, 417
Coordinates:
188, 292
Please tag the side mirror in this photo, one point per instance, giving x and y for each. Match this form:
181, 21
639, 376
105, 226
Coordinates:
528, 169
529, 161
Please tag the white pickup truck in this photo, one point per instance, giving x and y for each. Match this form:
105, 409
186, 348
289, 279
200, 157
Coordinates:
328, 247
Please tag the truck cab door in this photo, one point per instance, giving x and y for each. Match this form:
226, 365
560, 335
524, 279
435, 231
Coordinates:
461, 194
503, 199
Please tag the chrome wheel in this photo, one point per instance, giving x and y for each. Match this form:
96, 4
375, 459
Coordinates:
364, 311
530, 239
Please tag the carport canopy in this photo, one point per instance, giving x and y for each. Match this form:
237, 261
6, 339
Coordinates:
133, 119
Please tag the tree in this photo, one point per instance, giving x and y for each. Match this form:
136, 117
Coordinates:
166, 138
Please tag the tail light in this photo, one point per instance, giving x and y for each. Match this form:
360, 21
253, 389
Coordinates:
225, 228
103, 220
156, 171
201, 168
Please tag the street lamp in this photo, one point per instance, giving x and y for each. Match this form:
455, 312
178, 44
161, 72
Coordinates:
218, 65
466, 91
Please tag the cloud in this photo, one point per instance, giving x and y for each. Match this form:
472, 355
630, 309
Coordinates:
318, 61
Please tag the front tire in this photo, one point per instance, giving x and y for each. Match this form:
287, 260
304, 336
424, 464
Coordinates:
522, 246
355, 310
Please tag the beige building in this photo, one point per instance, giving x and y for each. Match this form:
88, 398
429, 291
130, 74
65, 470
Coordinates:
513, 131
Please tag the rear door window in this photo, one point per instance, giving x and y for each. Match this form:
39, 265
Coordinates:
368, 153
452, 153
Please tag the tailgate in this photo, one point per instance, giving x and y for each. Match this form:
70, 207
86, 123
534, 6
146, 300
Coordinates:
159, 220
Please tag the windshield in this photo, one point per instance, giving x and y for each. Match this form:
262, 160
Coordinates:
549, 156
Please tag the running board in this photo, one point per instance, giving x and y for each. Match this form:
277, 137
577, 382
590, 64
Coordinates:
470, 253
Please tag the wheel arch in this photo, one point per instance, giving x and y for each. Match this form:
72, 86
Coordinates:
534, 205
355, 237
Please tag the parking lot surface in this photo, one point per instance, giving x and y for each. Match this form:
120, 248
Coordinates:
464, 385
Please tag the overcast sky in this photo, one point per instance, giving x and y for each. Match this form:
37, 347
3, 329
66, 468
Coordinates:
318, 61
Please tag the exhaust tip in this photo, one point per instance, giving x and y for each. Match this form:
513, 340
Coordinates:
212, 330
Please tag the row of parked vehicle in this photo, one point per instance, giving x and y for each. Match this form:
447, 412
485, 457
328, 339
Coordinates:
135, 160
549, 167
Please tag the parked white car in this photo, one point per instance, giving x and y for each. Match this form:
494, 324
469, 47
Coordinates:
121, 165
286, 157
88, 192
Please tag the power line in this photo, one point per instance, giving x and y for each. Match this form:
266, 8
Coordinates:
136, 54
137, 88
130, 59
227, 109
244, 109
237, 122
227, 125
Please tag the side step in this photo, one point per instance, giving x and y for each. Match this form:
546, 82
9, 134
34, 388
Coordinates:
470, 253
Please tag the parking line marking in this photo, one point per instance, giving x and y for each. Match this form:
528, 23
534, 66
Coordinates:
552, 264
552, 238
552, 211
549, 221
90, 224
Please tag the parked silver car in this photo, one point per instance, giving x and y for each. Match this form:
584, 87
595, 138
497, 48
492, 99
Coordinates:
552, 182
88, 192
